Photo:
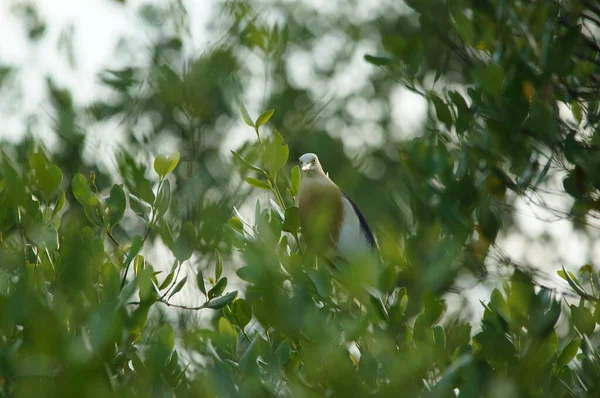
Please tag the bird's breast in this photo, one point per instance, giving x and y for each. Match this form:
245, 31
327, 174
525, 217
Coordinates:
321, 213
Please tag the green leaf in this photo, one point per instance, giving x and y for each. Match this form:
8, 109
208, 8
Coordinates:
277, 153
167, 336
116, 204
136, 245
220, 302
568, 353
295, 180
92, 214
178, 287
257, 183
322, 281
82, 191
264, 118
49, 179
583, 319
60, 203
491, 78
164, 165
227, 333
442, 111
378, 61
186, 242
246, 115
236, 223
167, 280
241, 313
283, 352
218, 288
464, 27
245, 163
218, 266
292, 220
200, 281
38, 162
139, 207
163, 199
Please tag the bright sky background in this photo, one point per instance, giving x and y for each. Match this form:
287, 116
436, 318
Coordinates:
97, 27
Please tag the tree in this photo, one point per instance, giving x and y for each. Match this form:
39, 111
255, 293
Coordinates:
86, 311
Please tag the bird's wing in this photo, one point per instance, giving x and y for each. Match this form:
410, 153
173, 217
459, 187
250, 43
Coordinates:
355, 231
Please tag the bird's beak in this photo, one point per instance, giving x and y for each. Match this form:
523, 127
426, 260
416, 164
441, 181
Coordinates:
306, 167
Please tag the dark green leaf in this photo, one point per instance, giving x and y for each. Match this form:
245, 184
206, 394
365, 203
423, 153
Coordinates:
116, 204
218, 288
200, 281
295, 187
241, 313
218, 266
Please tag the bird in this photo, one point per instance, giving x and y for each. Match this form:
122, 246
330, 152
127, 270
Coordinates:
330, 221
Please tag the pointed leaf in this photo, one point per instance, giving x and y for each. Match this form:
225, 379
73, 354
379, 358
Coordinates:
295, 187
221, 302
264, 118
178, 287
257, 183
246, 115
218, 288
163, 199
218, 266
200, 281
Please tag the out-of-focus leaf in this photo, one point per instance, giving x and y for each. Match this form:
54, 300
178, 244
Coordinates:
163, 199
295, 188
82, 191
292, 220
246, 116
257, 183
164, 165
116, 204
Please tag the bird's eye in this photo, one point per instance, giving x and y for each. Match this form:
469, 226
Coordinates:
314, 161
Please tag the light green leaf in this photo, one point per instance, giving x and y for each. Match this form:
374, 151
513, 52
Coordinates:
82, 191
136, 245
167, 336
264, 118
295, 180
164, 165
186, 242
244, 162
246, 115
257, 183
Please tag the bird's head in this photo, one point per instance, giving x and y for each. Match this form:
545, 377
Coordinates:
310, 165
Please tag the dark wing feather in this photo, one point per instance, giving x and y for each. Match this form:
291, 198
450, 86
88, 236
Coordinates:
364, 226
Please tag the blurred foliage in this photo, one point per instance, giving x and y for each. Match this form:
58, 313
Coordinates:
86, 309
